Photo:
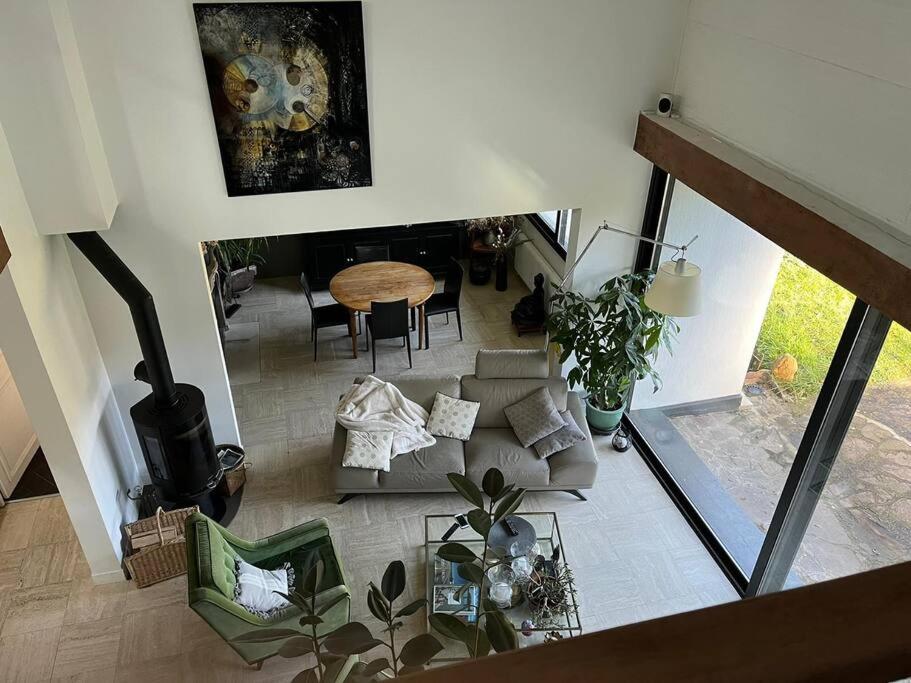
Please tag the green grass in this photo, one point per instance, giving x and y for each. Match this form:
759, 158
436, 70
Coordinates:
806, 316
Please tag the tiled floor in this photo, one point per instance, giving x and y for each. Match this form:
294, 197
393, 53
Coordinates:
634, 557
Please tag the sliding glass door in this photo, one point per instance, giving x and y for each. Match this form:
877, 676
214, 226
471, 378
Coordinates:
757, 397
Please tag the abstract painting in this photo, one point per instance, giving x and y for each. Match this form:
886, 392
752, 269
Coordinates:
288, 88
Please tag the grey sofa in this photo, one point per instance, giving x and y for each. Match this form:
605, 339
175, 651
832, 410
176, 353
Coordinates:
501, 378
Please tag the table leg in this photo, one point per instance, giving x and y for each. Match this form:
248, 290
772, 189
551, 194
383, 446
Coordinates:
422, 321
352, 330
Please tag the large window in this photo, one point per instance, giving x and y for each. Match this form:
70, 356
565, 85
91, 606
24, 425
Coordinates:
554, 225
759, 394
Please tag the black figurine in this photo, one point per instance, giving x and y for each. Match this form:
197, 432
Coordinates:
530, 313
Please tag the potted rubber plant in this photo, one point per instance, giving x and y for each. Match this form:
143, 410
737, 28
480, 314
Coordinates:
239, 259
615, 338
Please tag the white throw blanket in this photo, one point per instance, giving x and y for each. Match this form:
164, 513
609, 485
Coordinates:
378, 406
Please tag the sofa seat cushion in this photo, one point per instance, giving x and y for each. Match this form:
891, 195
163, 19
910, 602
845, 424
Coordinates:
425, 468
499, 448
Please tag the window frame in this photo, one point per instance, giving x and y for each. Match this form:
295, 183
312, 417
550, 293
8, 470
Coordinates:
861, 341
554, 237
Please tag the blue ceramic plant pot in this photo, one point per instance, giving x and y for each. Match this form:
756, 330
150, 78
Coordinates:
602, 420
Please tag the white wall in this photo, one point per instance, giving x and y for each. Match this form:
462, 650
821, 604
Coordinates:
739, 267
537, 256
477, 108
49, 122
819, 87
51, 349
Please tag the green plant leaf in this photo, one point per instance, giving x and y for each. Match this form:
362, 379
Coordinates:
492, 482
503, 491
420, 650
448, 625
508, 505
313, 575
374, 667
310, 620
456, 552
333, 669
500, 632
395, 626
306, 676
482, 640
471, 572
479, 521
489, 605
411, 608
296, 599
405, 670
466, 488
352, 638
332, 603
296, 647
377, 604
266, 635
393, 580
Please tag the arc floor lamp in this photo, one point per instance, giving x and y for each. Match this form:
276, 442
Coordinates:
676, 290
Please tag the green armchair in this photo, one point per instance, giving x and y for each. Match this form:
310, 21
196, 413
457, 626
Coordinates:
211, 554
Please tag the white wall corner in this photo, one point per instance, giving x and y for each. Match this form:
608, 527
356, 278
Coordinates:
50, 124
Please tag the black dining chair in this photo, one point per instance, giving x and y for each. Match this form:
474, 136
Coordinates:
365, 253
446, 301
388, 320
330, 315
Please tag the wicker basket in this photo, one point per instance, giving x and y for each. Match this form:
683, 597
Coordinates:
166, 559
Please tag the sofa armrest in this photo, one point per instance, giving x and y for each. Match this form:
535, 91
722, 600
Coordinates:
577, 466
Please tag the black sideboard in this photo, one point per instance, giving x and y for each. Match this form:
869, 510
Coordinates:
429, 245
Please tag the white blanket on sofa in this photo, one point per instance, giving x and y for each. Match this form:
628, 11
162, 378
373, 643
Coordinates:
378, 406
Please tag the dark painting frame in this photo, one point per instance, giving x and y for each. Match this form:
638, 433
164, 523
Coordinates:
288, 86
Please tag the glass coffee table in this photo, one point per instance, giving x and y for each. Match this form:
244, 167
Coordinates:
441, 587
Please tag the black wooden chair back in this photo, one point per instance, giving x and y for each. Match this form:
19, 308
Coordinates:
454, 275
389, 319
365, 253
306, 287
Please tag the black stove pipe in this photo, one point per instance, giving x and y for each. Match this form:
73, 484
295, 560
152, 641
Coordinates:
157, 369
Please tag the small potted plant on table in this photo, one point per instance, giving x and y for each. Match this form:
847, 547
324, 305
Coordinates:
615, 338
238, 260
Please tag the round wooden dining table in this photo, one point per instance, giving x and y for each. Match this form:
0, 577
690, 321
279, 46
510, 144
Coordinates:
356, 286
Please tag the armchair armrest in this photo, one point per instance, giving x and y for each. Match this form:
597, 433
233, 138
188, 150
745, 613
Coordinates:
315, 528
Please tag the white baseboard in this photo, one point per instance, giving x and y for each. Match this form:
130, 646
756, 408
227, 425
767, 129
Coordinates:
108, 577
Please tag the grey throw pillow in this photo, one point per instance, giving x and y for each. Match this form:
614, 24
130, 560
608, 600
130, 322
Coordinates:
561, 439
452, 417
534, 417
368, 450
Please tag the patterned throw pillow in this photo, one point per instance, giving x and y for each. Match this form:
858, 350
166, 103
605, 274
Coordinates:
368, 450
561, 439
452, 417
256, 588
534, 417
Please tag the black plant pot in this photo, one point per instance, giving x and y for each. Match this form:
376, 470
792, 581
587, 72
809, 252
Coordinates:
502, 275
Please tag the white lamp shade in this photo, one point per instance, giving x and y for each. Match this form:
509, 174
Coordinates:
676, 290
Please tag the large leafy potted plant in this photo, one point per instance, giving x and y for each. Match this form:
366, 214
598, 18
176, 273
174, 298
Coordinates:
615, 338
239, 259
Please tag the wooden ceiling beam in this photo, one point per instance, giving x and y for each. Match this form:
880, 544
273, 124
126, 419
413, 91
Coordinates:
864, 255
849, 629
4, 251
